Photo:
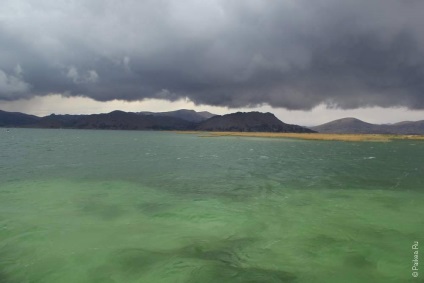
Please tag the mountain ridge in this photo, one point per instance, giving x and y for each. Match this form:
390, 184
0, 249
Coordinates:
249, 122
16, 119
185, 119
185, 114
351, 125
120, 120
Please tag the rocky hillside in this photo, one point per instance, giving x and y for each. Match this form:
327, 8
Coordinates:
116, 120
249, 122
16, 119
355, 126
182, 120
184, 114
408, 128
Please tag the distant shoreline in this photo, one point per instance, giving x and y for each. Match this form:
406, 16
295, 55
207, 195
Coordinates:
309, 136
302, 136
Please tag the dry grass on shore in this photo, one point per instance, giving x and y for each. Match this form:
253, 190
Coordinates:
310, 136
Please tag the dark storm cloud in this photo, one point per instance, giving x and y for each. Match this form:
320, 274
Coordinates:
290, 53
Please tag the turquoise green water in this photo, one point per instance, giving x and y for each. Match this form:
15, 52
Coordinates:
118, 206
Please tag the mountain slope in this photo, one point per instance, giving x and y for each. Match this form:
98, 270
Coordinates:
191, 120
184, 114
356, 126
16, 119
408, 128
116, 120
349, 125
206, 114
249, 122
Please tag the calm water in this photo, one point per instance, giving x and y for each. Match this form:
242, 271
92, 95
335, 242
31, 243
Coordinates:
117, 206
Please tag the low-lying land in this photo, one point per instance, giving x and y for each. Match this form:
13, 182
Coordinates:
311, 136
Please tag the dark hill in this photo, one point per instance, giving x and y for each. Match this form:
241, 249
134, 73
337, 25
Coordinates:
116, 120
355, 126
119, 120
16, 119
190, 120
58, 121
349, 125
184, 114
408, 128
249, 122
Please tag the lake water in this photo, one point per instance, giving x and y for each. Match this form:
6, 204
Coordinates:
120, 206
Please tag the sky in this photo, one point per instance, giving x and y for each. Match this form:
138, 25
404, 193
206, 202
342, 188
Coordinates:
307, 61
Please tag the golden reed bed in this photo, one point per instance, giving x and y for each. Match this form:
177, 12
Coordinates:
308, 136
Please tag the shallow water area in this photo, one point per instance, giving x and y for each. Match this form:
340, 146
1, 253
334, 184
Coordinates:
122, 206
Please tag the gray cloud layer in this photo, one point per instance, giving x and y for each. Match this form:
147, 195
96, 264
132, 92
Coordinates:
289, 53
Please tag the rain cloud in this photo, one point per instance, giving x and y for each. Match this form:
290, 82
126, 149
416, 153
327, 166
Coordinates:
294, 54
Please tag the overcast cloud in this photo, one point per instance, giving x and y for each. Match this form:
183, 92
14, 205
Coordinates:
294, 54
